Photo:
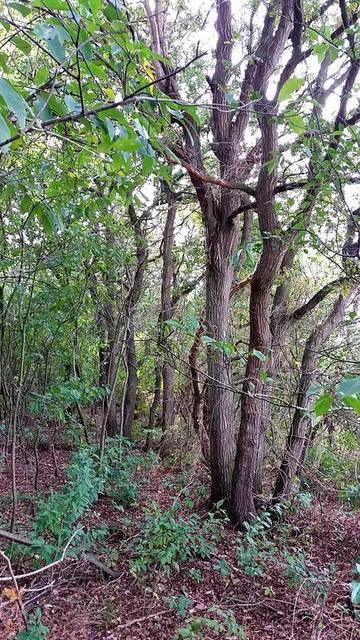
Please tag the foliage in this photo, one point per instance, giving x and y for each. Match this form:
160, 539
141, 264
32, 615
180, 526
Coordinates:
62, 397
221, 622
350, 495
254, 548
355, 586
57, 515
168, 538
36, 630
299, 573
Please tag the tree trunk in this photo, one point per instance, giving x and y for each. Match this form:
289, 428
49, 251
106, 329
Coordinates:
130, 306
164, 373
296, 445
167, 308
131, 383
221, 240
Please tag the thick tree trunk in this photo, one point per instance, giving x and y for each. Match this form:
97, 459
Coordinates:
247, 459
298, 437
219, 276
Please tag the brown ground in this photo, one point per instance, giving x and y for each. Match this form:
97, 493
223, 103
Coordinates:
82, 605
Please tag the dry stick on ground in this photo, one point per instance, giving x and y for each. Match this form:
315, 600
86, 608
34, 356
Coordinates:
13, 537
13, 579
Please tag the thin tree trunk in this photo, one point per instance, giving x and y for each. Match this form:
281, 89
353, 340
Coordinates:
129, 400
296, 445
164, 374
167, 309
131, 385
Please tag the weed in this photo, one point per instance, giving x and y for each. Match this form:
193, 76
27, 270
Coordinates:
195, 575
36, 630
168, 538
254, 547
222, 567
222, 623
350, 495
180, 604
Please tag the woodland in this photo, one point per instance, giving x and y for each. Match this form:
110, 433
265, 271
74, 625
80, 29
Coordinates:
179, 319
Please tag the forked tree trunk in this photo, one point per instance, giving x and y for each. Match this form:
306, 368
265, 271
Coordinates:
296, 445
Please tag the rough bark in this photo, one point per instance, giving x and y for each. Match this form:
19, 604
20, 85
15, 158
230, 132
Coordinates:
219, 398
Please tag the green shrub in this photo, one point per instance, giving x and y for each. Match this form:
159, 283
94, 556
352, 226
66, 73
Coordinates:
254, 547
36, 629
300, 573
57, 515
350, 495
220, 622
168, 538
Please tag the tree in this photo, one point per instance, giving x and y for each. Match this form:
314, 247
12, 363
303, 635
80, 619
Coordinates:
281, 236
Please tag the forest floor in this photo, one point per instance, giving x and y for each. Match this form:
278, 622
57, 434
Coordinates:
79, 603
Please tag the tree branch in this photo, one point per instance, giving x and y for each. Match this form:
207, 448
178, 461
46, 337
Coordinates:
316, 299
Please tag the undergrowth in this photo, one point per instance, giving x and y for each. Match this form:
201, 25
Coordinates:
57, 516
169, 538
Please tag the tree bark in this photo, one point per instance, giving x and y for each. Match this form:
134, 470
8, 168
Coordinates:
220, 240
296, 445
131, 301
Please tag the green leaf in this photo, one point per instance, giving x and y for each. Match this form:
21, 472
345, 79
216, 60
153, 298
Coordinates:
321, 49
47, 218
49, 33
73, 105
21, 8
3, 61
56, 5
14, 101
41, 75
352, 402
85, 46
147, 165
174, 323
56, 105
296, 123
258, 354
4, 130
323, 404
41, 108
95, 6
349, 387
97, 69
21, 44
291, 85
355, 592
127, 144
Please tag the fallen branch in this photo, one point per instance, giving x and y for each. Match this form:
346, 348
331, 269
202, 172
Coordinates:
130, 623
13, 579
13, 537
51, 565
